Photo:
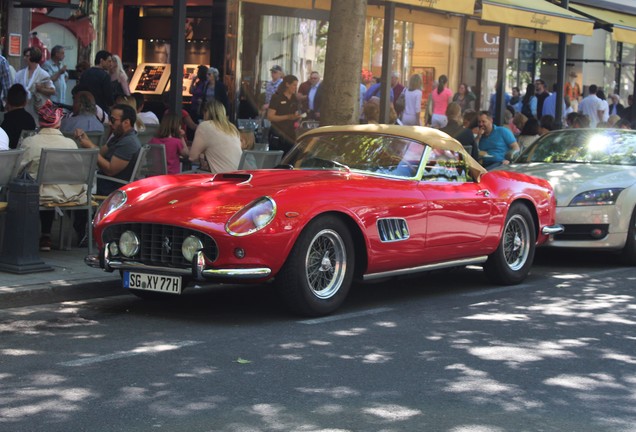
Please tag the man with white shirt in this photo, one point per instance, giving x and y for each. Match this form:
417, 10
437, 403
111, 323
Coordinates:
59, 75
147, 117
592, 106
36, 81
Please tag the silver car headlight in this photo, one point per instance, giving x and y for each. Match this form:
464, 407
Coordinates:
251, 218
129, 244
190, 246
598, 197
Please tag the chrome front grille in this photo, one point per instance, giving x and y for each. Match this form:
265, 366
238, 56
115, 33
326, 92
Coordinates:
391, 230
161, 244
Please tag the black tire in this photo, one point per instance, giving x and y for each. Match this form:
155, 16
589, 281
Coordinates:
628, 256
511, 262
318, 273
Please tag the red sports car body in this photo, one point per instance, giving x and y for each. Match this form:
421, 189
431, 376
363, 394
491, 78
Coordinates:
349, 202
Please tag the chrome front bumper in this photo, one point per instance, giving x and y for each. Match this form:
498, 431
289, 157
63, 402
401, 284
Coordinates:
552, 229
199, 271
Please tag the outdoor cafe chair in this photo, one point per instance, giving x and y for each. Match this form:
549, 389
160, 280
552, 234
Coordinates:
73, 167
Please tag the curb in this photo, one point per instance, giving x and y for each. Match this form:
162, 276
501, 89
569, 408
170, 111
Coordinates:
47, 293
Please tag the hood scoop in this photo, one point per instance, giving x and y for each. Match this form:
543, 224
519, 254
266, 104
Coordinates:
237, 178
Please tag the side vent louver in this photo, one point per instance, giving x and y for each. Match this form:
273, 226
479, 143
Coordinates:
391, 230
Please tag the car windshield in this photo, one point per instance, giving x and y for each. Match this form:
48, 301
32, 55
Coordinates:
590, 146
372, 153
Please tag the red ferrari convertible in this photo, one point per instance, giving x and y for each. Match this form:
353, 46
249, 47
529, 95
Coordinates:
347, 203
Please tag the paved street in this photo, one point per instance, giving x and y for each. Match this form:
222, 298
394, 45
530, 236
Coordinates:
442, 352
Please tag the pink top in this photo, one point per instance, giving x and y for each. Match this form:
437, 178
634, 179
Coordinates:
173, 150
440, 101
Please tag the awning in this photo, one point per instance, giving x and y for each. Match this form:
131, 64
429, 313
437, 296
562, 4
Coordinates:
537, 14
517, 32
623, 25
466, 7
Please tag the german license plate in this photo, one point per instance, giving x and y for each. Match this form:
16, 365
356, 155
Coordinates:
150, 282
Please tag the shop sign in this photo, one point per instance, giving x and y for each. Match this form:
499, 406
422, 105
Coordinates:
487, 46
15, 45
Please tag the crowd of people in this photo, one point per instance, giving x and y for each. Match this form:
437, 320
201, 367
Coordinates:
34, 100
527, 115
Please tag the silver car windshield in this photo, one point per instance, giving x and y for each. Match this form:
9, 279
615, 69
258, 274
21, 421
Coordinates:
372, 153
590, 146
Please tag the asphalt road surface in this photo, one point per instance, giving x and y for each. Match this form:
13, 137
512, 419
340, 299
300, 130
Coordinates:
444, 351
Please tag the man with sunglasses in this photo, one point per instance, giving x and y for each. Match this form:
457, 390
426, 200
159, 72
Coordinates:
116, 158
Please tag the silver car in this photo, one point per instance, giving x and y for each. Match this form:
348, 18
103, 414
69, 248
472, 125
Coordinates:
593, 173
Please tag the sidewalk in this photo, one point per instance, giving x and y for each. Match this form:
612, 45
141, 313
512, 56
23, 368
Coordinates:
70, 279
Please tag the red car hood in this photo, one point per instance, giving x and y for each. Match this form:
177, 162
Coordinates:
199, 200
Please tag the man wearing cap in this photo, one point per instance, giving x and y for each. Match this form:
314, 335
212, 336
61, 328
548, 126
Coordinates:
270, 88
50, 136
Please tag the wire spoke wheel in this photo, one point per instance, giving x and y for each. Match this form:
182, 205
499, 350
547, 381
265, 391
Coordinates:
325, 263
318, 273
511, 262
516, 242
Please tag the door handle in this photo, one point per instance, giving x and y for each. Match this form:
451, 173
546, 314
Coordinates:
484, 192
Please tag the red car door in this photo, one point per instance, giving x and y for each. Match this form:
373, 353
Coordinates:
458, 208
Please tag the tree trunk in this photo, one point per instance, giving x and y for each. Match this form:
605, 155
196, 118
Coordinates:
343, 63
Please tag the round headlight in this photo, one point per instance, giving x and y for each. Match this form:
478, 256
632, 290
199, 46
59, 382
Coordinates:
129, 244
190, 246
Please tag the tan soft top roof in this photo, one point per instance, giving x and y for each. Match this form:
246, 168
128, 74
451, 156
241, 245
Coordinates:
433, 137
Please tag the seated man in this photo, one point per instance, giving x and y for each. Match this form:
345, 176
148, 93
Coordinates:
49, 136
494, 142
147, 117
84, 114
17, 119
117, 158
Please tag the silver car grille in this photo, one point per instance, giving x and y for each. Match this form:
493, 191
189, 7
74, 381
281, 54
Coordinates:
161, 244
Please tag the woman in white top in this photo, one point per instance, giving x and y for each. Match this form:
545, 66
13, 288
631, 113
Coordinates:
217, 140
413, 101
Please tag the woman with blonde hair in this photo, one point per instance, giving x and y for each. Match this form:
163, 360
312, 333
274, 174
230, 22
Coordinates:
413, 101
217, 140
118, 77
173, 138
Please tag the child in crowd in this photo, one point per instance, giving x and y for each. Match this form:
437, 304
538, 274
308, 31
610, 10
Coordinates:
173, 138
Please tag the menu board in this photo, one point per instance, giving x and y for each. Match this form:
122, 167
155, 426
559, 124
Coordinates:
150, 78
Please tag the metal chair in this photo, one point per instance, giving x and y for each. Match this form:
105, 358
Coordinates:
9, 167
149, 133
73, 167
257, 159
135, 174
154, 163
248, 124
